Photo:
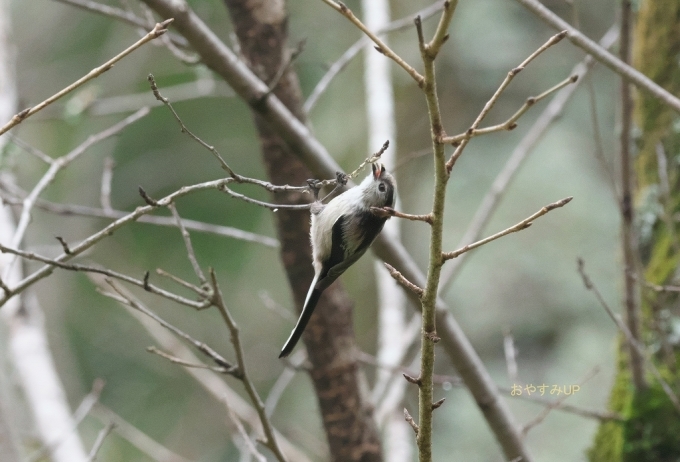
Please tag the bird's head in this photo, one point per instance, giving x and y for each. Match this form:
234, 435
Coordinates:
379, 187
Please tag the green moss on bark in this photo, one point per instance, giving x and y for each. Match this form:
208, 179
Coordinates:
651, 430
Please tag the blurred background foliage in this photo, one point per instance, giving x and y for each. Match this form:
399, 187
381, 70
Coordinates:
526, 282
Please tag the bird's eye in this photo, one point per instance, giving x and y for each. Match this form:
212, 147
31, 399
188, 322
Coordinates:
381, 187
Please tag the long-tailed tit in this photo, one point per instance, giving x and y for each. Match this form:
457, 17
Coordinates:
341, 233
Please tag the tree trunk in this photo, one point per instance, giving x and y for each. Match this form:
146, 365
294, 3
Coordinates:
651, 431
261, 28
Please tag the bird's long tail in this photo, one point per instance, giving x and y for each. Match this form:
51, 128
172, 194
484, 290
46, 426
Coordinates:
310, 303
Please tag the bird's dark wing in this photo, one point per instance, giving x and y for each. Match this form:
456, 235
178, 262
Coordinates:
361, 229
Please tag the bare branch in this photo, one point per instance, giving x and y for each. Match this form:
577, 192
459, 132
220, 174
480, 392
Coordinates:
181, 362
37, 153
79, 415
105, 232
370, 160
387, 212
411, 422
157, 31
194, 288
441, 35
99, 441
511, 123
200, 346
352, 51
577, 38
242, 431
381, 47
190, 248
504, 178
403, 281
106, 272
218, 300
490, 104
193, 225
137, 438
63, 162
213, 385
513, 229
632, 341
544, 413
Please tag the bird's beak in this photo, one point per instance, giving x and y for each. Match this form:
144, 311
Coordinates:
378, 168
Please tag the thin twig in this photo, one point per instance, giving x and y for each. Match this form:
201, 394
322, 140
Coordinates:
411, 422
99, 441
441, 34
513, 229
244, 435
79, 415
193, 225
120, 15
511, 123
108, 231
181, 362
59, 164
381, 47
106, 272
236, 177
157, 31
132, 302
555, 404
137, 438
370, 160
37, 153
194, 288
267, 205
493, 197
612, 62
647, 361
270, 438
597, 138
187, 243
387, 212
403, 281
487, 107
357, 46
212, 384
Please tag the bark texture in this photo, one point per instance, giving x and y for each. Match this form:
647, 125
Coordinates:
261, 28
651, 431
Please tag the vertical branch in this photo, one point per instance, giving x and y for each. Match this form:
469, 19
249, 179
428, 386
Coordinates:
270, 436
429, 331
628, 237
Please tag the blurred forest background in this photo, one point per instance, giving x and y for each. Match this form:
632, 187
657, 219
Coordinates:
526, 284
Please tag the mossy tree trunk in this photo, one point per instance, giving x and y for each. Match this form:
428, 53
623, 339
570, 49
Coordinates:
651, 430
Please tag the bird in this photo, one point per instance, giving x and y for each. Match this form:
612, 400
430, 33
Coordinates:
340, 234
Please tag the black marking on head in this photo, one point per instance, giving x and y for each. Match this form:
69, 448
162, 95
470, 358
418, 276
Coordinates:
389, 193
